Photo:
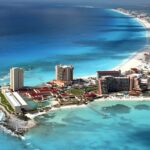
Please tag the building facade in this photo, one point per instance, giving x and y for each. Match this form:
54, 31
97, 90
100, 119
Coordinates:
134, 84
16, 78
64, 73
110, 84
112, 73
16, 101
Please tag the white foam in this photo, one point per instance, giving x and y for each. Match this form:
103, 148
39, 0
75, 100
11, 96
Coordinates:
8, 131
87, 6
2, 116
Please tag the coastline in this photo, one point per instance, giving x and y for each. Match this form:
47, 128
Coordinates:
32, 116
130, 99
134, 59
109, 99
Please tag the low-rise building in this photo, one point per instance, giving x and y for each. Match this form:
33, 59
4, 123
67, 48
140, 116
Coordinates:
112, 73
16, 101
13, 101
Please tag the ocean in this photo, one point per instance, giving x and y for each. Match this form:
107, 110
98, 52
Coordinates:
91, 39
97, 126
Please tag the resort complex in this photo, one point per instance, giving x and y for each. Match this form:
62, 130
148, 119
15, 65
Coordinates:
127, 82
66, 90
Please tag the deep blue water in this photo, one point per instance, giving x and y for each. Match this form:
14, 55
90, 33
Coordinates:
38, 38
91, 39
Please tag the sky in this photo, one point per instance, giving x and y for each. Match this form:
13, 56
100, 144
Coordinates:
127, 4
133, 2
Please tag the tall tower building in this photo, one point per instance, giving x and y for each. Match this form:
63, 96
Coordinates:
64, 73
16, 78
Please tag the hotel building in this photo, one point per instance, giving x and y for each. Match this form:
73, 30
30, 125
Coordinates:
16, 78
112, 73
134, 84
64, 73
108, 84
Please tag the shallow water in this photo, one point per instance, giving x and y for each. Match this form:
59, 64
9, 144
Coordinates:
107, 125
92, 128
38, 39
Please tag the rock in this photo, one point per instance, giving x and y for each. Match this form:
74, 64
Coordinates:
116, 109
142, 107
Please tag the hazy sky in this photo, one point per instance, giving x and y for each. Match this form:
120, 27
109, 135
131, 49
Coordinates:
102, 3
83, 1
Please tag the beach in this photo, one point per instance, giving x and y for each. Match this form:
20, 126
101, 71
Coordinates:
136, 59
85, 126
84, 47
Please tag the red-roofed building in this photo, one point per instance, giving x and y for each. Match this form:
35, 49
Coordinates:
93, 95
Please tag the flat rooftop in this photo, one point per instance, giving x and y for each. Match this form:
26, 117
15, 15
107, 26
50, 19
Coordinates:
12, 99
20, 99
15, 99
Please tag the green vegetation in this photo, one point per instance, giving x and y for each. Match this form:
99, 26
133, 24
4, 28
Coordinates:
76, 91
5, 103
91, 88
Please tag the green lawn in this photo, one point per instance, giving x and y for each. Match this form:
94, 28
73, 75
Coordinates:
75, 91
78, 92
5, 103
91, 88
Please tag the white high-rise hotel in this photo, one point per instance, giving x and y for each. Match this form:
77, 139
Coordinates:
16, 78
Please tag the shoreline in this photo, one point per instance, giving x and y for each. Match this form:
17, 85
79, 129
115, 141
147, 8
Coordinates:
124, 99
135, 59
32, 116
109, 99
131, 62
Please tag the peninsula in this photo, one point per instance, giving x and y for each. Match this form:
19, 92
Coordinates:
128, 81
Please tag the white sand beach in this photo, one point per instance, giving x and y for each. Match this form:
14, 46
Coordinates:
135, 60
129, 98
34, 115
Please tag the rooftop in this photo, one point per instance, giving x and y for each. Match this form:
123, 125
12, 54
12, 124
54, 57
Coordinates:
109, 71
65, 66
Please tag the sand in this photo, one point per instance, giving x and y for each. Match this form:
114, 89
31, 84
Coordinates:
136, 59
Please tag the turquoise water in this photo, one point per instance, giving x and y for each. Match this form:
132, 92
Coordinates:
38, 39
91, 39
99, 126
34, 105
92, 128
